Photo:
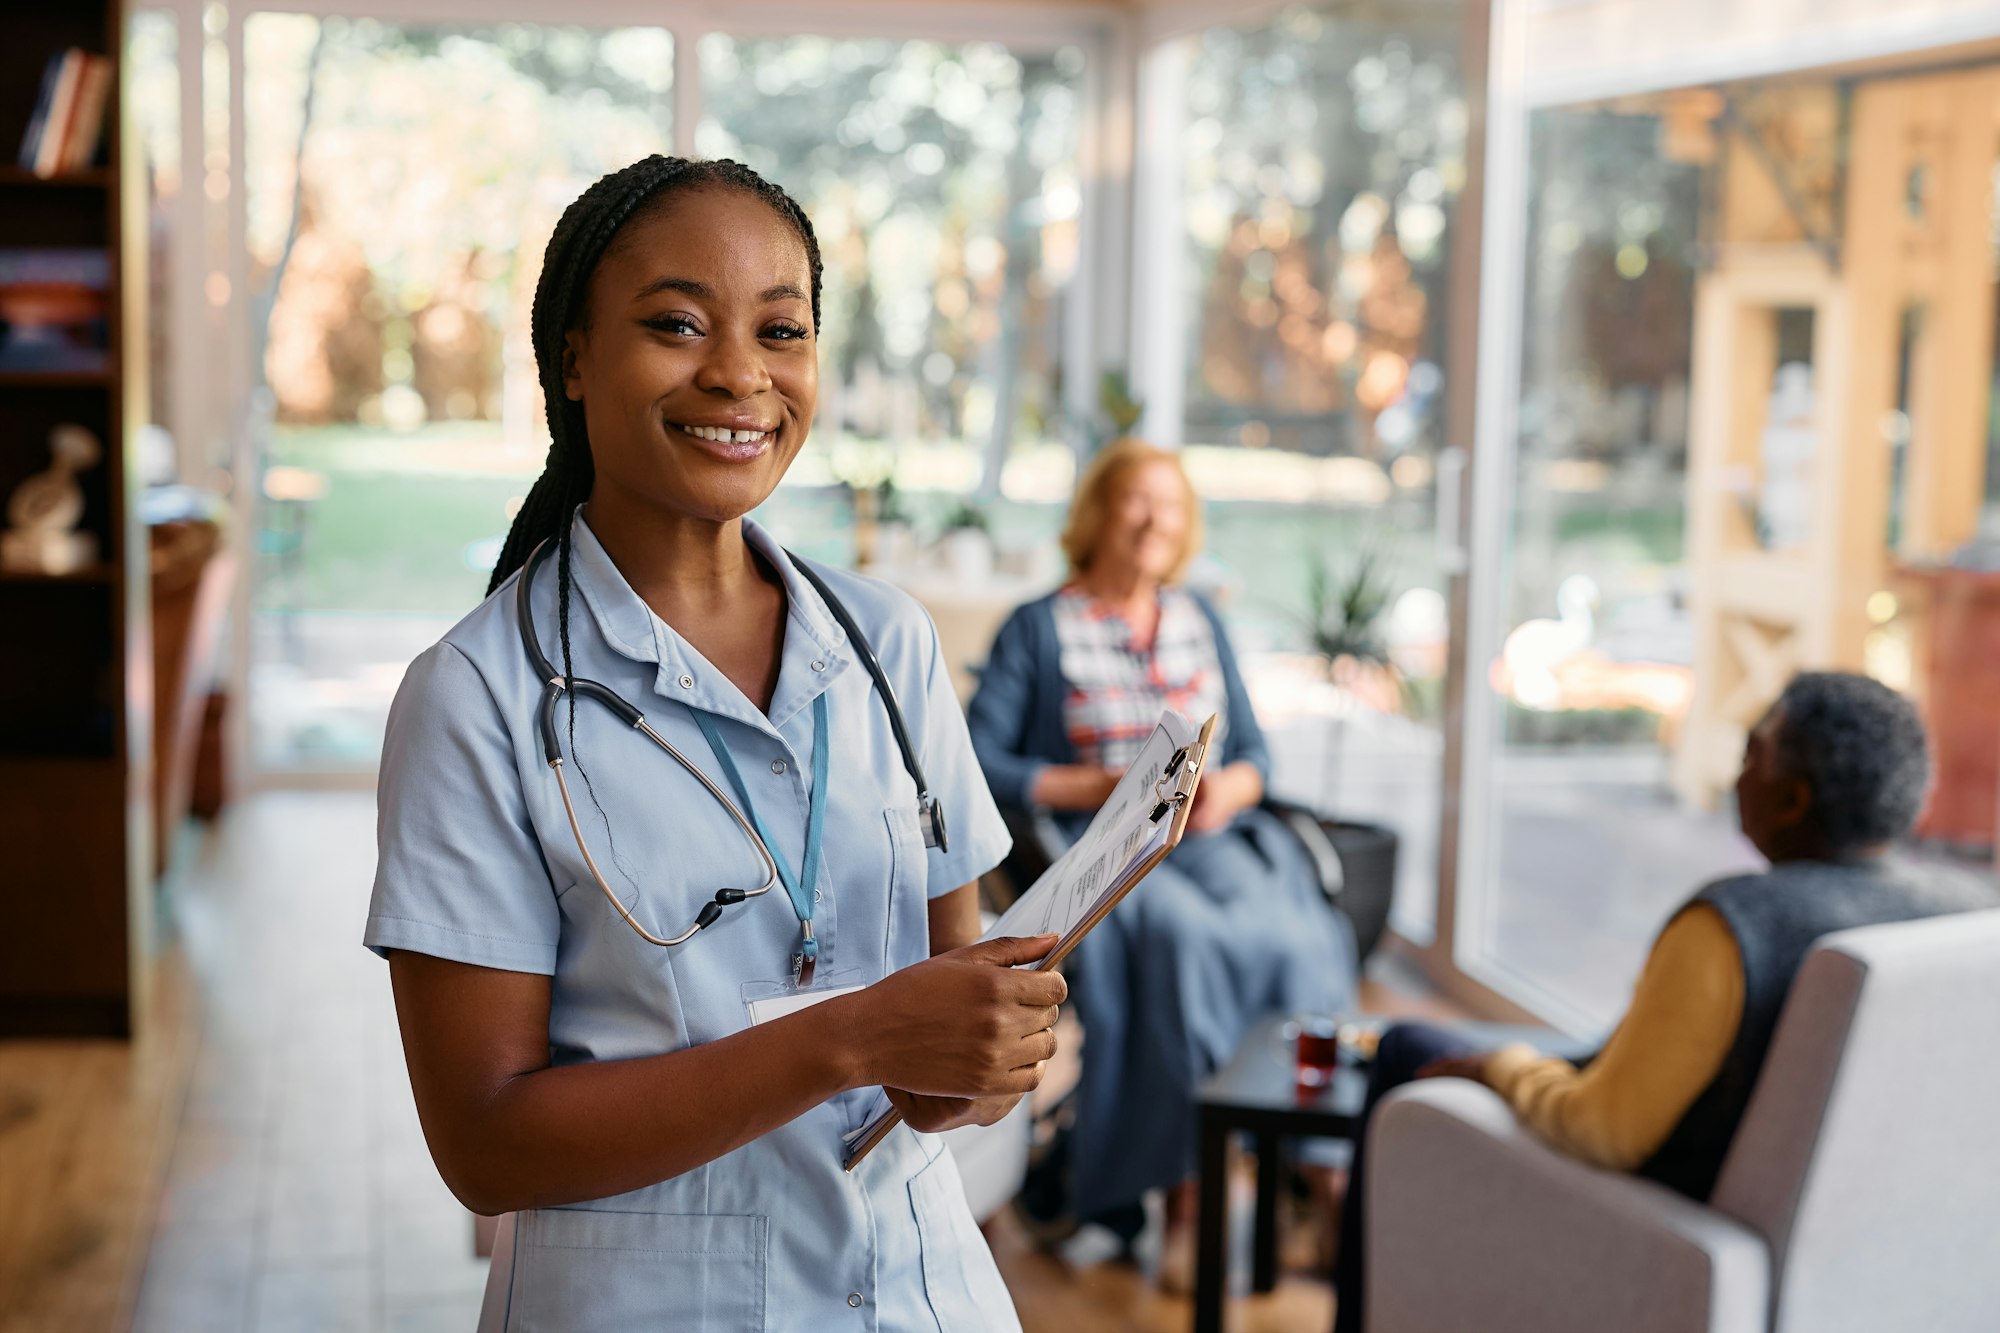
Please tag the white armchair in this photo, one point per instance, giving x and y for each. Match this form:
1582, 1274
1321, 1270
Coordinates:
1862, 1192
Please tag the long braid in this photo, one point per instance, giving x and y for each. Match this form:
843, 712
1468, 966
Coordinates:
582, 235
564, 545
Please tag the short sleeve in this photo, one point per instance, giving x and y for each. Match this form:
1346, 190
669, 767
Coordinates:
978, 836
459, 871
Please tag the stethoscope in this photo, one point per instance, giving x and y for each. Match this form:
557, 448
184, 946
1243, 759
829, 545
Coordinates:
930, 813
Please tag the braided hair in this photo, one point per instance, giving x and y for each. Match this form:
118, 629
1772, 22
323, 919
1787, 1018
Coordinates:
582, 237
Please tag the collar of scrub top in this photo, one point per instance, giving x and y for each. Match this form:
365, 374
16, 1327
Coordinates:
631, 628
800, 887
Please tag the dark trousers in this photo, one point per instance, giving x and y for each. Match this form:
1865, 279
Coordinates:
1405, 1049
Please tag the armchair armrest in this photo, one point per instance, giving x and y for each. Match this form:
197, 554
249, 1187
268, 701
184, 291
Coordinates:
1473, 1222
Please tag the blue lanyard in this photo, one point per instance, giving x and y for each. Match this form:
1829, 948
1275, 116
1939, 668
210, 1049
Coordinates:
799, 887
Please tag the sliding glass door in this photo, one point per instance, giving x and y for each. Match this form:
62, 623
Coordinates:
402, 180
1311, 349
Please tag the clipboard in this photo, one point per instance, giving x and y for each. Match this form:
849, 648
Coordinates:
1173, 797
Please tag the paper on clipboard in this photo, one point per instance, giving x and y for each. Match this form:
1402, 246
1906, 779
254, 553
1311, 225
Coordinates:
1131, 833
1110, 856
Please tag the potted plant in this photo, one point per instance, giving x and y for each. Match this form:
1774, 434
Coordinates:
967, 542
1120, 408
864, 470
1345, 614
895, 540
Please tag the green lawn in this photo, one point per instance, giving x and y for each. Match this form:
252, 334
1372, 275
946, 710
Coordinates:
402, 513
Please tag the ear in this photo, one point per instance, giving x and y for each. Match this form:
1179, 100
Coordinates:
573, 347
1791, 802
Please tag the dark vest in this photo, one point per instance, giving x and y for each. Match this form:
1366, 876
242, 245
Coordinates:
1776, 917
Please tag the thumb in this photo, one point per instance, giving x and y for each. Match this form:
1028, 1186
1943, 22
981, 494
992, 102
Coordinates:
1009, 950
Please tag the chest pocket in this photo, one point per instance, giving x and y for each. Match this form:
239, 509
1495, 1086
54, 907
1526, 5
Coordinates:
578, 1270
908, 937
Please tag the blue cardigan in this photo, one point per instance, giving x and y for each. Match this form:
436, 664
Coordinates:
1016, 714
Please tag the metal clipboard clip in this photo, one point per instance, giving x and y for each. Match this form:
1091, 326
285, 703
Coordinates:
1175, 786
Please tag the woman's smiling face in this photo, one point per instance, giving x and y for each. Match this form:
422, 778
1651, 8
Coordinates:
696, 362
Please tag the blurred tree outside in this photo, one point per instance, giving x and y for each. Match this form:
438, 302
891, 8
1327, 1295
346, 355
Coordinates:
941, 179
1324, 156
404, 182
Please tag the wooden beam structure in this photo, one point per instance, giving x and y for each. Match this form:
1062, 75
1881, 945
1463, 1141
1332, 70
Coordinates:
1901, 352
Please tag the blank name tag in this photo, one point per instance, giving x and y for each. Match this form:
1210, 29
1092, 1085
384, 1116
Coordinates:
765, 1009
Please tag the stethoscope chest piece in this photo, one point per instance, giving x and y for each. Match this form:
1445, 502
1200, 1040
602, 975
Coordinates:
930, 816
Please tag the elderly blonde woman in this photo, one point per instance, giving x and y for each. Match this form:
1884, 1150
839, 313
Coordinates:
1233, 925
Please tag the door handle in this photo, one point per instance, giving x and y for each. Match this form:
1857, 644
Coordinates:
1450, 495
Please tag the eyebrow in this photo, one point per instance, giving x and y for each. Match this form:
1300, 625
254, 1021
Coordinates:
701, 291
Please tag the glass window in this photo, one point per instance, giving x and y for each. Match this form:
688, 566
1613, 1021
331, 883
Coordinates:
152, 79
1592, 850
403, 180
1653, 608
942, 182
1323, 155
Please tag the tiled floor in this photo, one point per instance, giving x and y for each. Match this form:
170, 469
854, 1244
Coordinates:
300, 1195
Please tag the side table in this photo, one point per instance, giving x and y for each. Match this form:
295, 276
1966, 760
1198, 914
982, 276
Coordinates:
1257, 1094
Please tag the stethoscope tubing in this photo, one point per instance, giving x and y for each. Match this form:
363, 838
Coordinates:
555, 684
552, 691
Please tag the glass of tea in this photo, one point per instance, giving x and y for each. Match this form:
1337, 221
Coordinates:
1318, 1049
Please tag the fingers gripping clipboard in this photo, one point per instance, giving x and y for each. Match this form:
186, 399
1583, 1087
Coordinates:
1143, 820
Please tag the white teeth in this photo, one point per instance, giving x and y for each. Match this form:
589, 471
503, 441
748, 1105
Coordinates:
723, 435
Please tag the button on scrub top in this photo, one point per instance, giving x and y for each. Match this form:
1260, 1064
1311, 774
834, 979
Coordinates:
477, 864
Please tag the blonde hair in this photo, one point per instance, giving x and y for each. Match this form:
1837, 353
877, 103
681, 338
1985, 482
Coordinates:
1114, 465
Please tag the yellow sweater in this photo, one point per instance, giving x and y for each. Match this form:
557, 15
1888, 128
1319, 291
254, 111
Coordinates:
1619, 1109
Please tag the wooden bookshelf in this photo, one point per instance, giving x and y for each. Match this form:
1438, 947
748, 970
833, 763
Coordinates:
91, 178
97, 573
57, 379
74, 671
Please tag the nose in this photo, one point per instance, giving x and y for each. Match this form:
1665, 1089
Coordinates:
733, 368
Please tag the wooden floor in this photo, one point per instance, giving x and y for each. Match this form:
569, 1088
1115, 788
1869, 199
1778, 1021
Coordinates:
298, 1192
1053, 1297
85, 1132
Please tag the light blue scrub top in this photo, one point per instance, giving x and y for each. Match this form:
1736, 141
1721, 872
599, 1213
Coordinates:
477, 864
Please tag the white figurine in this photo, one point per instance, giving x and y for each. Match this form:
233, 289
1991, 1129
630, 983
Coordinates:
44, 510
1788, 445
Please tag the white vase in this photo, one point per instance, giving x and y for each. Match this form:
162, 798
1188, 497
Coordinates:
968, 554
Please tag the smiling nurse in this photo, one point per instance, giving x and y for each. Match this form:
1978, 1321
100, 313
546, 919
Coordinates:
668, 1119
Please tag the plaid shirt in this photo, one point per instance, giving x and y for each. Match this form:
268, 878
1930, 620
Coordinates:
1118, 686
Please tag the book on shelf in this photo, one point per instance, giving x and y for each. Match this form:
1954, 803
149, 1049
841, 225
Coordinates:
54, 309
66, 131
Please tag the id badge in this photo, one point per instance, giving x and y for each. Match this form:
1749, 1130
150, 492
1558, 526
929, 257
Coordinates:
766, 1000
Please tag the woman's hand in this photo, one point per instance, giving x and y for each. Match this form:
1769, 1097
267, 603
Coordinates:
1075, 786
934, 1115
967, 1025
1222, 795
